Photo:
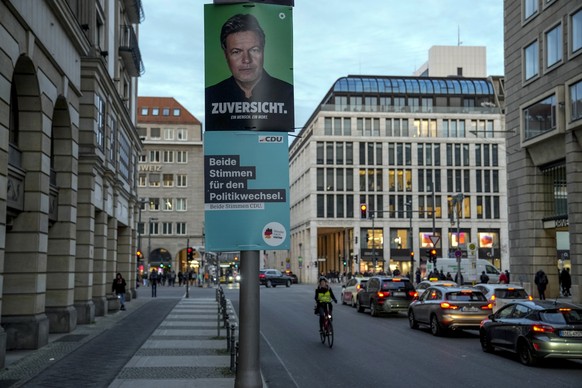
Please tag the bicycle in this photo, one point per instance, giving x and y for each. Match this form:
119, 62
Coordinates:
327, 332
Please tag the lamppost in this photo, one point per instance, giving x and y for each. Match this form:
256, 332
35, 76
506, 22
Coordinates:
410, 241
150, 237
457, 201
373, 242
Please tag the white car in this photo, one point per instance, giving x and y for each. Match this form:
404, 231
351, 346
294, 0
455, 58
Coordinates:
422, 286
351, 289
501, 294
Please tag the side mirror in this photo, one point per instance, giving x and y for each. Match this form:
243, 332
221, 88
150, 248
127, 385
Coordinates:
491, 317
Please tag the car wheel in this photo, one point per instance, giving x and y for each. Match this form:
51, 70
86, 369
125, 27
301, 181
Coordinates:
435, 327
412, 320
485, 343
373, 309
269, 284
343, 299
288, 284
525, 354
360, 307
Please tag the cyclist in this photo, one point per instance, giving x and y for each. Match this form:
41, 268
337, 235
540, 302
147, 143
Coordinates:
323, 297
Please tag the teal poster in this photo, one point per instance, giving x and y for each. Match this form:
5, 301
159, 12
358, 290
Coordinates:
246, 191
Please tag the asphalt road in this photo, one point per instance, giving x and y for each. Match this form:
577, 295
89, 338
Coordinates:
381, 352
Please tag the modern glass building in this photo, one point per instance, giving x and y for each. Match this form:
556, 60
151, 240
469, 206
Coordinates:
427, 157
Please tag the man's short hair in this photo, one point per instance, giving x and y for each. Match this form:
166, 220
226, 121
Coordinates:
241, 23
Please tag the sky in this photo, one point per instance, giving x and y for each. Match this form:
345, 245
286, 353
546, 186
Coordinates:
332, 39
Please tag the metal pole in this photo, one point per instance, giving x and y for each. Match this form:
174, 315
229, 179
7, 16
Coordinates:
248, 373
458, 204
187, 272
433, 210
410, 242
373, 243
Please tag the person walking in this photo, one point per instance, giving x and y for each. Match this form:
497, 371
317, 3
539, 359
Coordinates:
503, 278
484, 278
154, 283
118, 288
566, 281
541, 281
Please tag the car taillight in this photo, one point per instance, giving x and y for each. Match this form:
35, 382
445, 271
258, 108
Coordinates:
487, 307
493, 297
414, 294
448, 306
262, 275
542, 329
383, 294
530, 297
358, 286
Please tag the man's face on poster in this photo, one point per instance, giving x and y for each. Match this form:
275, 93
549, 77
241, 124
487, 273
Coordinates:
244, 55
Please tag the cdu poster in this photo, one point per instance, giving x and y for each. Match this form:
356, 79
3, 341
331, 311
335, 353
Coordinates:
246, 191
248, 51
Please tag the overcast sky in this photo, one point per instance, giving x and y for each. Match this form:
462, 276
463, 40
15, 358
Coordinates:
332, 39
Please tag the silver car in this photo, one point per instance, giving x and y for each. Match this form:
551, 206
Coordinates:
449, 308
351, 289
501, 294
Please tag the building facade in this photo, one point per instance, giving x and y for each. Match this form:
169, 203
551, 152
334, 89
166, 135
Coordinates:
171, 186
68, 161
426, 155
543, 72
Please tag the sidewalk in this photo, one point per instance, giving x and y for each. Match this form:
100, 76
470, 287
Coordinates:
169, 341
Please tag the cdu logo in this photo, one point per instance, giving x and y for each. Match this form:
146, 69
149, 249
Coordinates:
270, 139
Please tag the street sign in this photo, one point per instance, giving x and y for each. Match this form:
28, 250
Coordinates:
458, 253
434, 240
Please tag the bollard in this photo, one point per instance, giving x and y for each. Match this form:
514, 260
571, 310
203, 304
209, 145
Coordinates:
233, 351
236, 357
227, 339
218, 321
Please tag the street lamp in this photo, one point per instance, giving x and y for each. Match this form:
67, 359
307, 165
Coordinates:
410, 241
457, 201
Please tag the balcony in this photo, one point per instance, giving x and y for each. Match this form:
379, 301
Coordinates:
134, 11
129, 52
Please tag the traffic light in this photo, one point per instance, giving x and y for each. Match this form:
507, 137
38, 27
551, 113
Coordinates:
345, 263
411, 256
433, 256
190, 253
139, 256
363, 210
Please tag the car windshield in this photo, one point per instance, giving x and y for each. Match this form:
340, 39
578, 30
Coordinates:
466, 296
395, 284
508, 293
562, 316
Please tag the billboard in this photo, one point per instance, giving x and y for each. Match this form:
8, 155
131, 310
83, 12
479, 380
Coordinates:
248, 51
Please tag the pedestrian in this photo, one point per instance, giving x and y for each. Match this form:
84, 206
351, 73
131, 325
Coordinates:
417, 275
566, 281
508, 278
154, 283
118, 288
502, 278
541, 281
449, 276
484, 278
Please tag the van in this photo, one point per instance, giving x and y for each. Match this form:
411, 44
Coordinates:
468, 270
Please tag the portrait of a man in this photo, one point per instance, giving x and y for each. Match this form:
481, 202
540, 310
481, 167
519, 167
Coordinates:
250, 99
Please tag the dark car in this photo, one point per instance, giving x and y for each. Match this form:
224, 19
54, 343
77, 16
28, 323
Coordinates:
293, 277
535, 330
385, 294
274, 278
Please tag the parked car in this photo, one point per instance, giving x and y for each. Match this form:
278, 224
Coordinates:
385, 294
351, 289
294, 278
273, 278
501, 294
449, 308
535, 330
422, 286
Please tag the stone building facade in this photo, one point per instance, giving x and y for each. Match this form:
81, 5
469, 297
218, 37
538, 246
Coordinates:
543, 82
68, 159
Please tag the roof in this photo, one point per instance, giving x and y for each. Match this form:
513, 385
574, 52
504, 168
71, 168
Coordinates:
183, 117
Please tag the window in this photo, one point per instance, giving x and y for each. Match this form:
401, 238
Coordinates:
142, 180
154, 156
576, 23
154, 204
176, 112
576, 101
554, 46
168, 180
155, 133
166, 228
182, 180
144, 111
540, 117
155, 111
167, 204
531, 61
182, 156
182, 134
181, 228
168, 157
154, 228
165, 111
168, 134
181, 204
154, 180
530, 8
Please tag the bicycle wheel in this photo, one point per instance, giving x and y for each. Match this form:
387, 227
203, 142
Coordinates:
322, 334
329, 333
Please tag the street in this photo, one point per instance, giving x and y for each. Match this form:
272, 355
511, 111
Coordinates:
381, 351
